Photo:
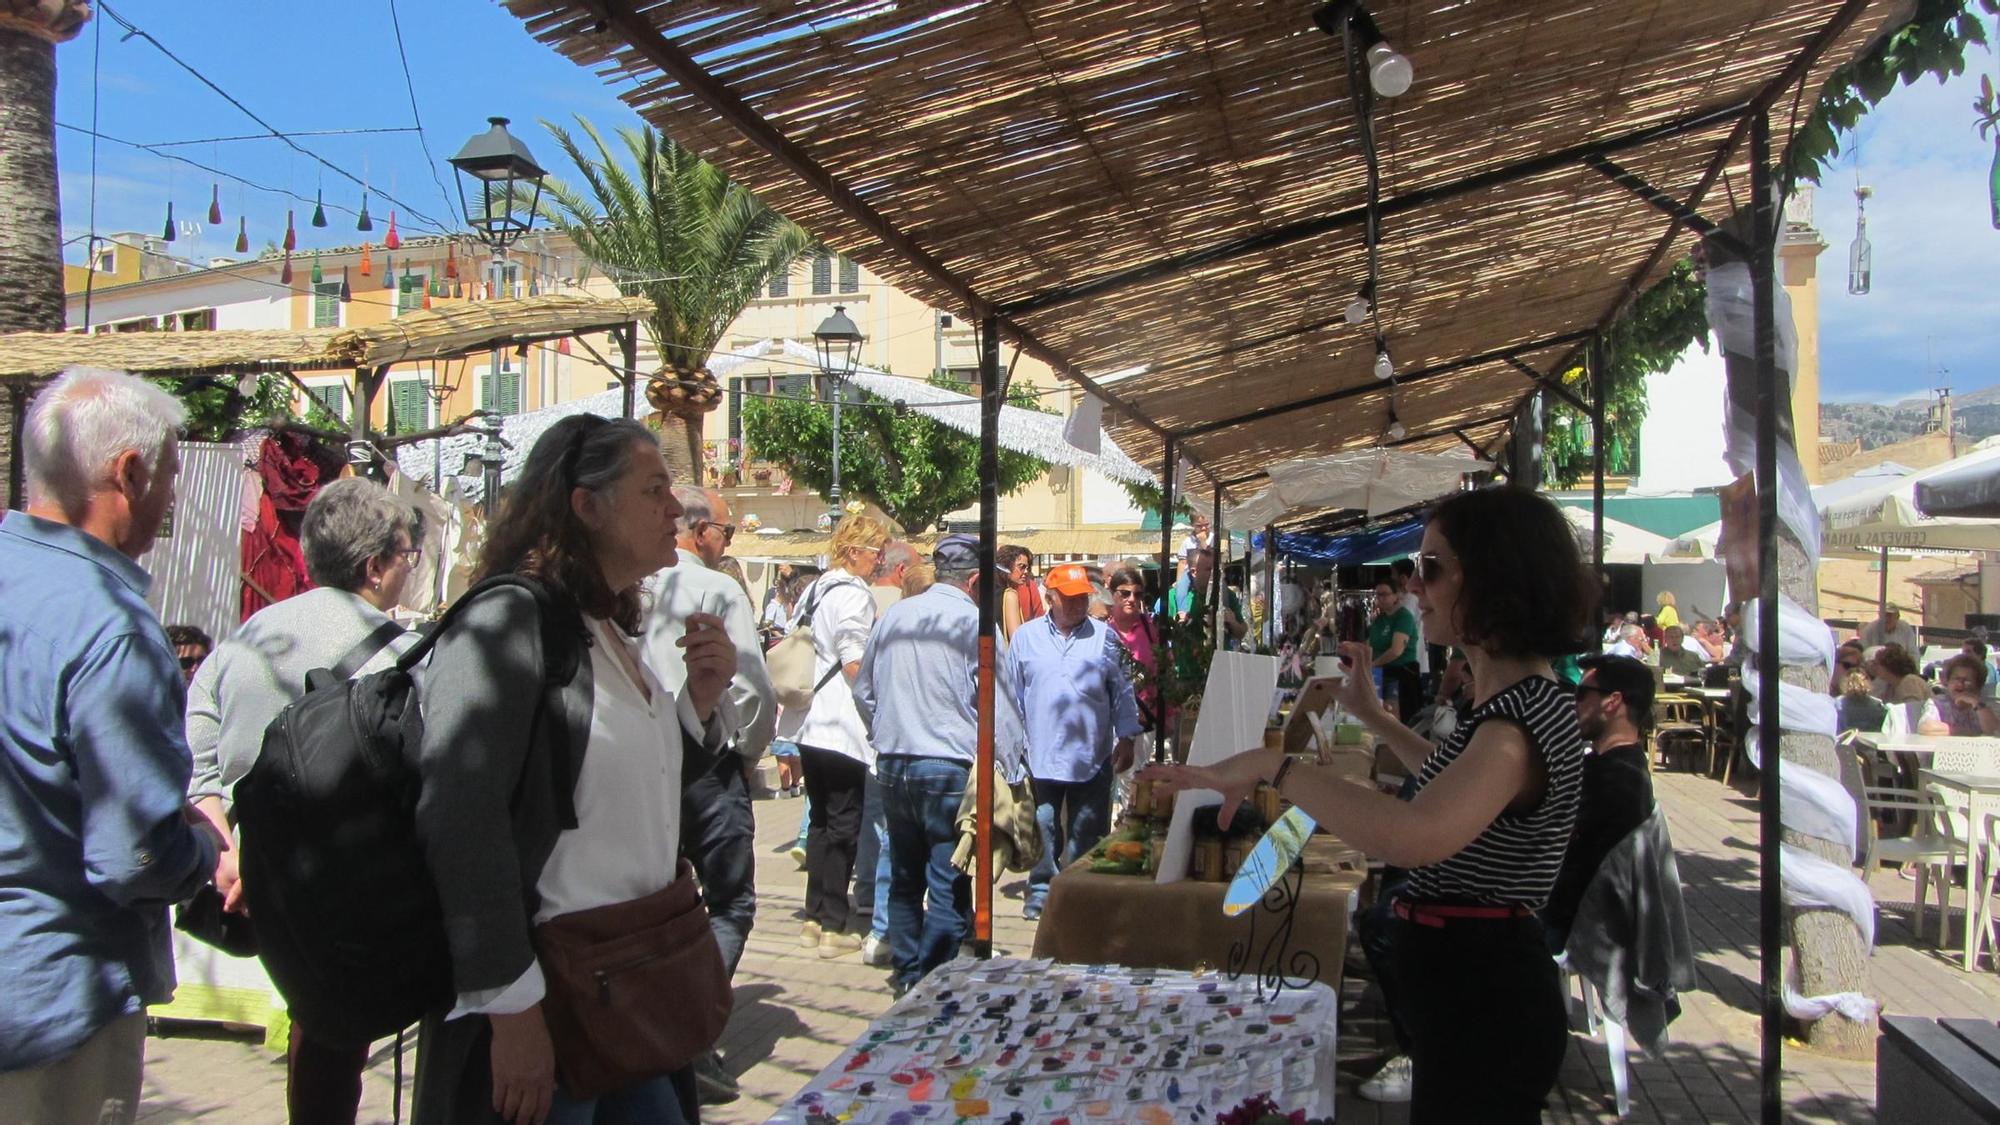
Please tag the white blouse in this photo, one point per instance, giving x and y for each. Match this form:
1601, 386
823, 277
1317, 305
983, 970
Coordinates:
843, 616
626, 844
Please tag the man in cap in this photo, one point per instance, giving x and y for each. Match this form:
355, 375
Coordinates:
1891, 629
1081, 716
917, 692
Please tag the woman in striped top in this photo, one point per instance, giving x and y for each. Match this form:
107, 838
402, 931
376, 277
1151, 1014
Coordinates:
1471, 981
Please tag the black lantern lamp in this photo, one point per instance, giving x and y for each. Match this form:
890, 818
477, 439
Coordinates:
838, 341
498, 167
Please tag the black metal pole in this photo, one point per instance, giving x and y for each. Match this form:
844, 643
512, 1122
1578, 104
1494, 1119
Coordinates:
1595, 358
1163, 652
991, 395
1215, 572
1763, 222
628, 350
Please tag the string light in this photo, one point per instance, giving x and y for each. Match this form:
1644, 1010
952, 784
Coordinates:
1385, 368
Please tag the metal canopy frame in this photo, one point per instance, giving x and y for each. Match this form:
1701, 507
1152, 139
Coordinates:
1751, 123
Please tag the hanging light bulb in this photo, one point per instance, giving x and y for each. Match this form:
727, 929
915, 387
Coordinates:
1860, 255
319, 208
1385, 368
364, 223
317, 276
168, 232
390, 240
242, 236
1396, 431
291, 233
1362, 305
1388, 71
367, 263
215, 205
285, 274
346, 294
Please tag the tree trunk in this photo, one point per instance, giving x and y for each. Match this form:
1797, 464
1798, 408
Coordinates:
680, 442
1826, 942
30, 211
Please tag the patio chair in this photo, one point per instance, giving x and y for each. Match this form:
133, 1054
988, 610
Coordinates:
1614, 1032
1931, 846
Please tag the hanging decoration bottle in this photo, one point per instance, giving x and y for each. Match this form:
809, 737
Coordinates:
389, 272
317, 275
346, 294
291, 242
390, 240
364, 223
319, 208
168, 232
242, 236
367, 263
285, 274
451, 262
215, 205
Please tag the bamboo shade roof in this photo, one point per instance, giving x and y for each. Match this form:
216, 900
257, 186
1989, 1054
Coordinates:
448, 330
1000, 158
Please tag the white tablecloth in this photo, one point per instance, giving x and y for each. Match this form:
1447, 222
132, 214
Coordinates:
986, 1039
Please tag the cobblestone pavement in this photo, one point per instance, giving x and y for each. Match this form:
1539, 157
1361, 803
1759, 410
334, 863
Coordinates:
794, 1011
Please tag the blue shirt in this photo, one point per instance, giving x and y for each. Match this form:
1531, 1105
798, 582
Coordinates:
1073, 695
919, 682
94, 771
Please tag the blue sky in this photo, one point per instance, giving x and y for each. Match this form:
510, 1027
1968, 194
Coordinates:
1937, 256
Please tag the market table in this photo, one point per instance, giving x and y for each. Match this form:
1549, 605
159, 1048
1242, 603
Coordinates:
1982, 795
1133, 921
1037, 1041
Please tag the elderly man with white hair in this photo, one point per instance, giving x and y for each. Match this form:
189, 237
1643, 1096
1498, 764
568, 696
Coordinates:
96, 834
718, 826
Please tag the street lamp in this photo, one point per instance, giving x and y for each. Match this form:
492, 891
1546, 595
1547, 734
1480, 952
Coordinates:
500, 170
838, 342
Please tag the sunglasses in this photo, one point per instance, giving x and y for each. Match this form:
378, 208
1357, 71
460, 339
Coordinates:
1125, 592
728, 530
190, 663
1430, 565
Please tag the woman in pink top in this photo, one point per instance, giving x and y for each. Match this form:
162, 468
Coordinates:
1136, 630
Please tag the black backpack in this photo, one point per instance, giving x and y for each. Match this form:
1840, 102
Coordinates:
347, 915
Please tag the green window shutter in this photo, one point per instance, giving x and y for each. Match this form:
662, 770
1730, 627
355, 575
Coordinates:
822, 275
781, 284
850, 275
326, 304
510, 392
411, 405
333, 397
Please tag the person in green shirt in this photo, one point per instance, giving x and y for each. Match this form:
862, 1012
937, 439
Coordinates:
1679, 658
1392, 638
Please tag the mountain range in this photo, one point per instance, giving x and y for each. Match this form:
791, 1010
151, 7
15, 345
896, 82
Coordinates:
1976, 415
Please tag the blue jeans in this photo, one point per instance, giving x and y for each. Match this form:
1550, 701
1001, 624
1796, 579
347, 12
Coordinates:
652, 1102
871, 861
1072, 816
929, 902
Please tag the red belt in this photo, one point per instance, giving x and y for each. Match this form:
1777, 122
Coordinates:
1431, 915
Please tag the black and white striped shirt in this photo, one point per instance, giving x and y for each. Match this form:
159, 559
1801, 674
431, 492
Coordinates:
1516, 859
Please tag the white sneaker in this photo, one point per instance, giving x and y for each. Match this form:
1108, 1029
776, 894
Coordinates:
875, 951
1391, 1083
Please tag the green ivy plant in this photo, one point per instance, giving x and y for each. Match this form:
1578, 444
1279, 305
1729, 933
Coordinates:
1651, 335
913, 467
1932, 42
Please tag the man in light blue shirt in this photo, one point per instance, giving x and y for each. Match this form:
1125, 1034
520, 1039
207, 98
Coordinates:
918, 693
96, 835
1080, 716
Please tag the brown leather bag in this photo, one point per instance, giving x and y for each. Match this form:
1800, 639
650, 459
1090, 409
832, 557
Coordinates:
636, 989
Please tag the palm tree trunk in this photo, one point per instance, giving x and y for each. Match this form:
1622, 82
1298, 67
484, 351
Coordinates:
30, 213
680, 442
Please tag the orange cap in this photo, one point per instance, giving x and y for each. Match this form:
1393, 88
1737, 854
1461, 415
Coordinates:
1070, 579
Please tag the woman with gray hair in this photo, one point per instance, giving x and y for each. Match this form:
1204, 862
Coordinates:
361, 544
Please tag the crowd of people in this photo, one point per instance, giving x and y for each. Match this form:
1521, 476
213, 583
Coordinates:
595, 712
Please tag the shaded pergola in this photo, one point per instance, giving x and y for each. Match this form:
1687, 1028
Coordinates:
448, 331
1173, 204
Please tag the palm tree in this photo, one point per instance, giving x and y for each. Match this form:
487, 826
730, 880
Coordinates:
30, 212
674, 229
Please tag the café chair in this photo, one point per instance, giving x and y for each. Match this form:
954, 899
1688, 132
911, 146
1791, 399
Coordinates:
1931, 846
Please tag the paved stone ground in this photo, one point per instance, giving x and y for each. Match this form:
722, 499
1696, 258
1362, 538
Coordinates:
794, 1012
